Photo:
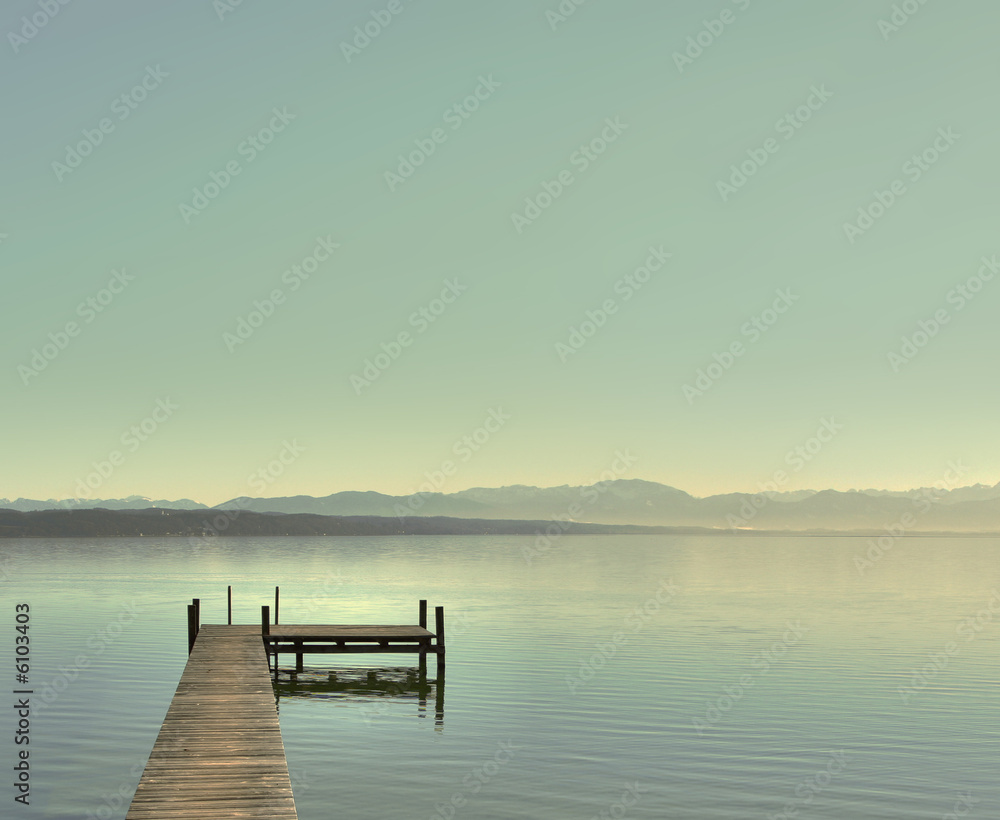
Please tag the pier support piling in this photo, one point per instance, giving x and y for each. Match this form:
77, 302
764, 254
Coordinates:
192, 627
439, 638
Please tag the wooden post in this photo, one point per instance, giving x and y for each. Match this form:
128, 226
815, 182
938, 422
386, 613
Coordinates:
439, 632
439, 699
298, 656
192, 627
439, 627
197, 614
275, 605
229, 605
423, 613
265, 630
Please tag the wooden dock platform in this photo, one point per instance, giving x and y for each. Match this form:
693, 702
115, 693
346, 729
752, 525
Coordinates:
219, 753
310, 639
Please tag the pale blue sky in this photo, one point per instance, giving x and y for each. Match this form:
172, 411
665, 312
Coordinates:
878, 98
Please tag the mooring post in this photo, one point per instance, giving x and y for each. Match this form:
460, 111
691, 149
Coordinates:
192, 627
423, 613
275, 605
439, 631
265, 630
439, 699
229, 605
197, 615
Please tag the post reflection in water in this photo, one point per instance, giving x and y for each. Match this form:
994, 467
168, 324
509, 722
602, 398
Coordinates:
363, 685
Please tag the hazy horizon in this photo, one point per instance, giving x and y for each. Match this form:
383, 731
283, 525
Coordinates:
497, 242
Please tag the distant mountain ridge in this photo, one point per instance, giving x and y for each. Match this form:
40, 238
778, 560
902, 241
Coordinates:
133, 502
973, 508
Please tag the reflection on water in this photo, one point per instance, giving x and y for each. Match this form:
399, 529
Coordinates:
370, 687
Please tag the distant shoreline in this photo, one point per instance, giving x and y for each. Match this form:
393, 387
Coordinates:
205, 525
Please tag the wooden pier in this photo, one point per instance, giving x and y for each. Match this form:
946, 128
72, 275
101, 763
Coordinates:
219, 753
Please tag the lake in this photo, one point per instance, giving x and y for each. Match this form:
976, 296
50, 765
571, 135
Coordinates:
602, 676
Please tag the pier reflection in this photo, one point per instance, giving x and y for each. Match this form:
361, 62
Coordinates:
375, 687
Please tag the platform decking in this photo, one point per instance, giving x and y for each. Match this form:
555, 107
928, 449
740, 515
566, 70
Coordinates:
350, 632
219, 753
337, 638
309, 639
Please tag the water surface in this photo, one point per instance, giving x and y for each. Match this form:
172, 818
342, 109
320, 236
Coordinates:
659, 677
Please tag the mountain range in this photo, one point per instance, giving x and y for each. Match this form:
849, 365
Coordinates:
973, 508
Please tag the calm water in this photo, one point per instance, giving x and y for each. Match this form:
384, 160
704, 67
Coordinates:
642, 677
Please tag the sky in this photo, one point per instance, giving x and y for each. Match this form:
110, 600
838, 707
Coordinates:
272, 249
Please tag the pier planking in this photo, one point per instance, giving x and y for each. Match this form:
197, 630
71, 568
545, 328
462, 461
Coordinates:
219, 753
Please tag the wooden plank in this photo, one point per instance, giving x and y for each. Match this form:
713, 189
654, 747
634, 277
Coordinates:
353, 632
352, 649
219, 753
